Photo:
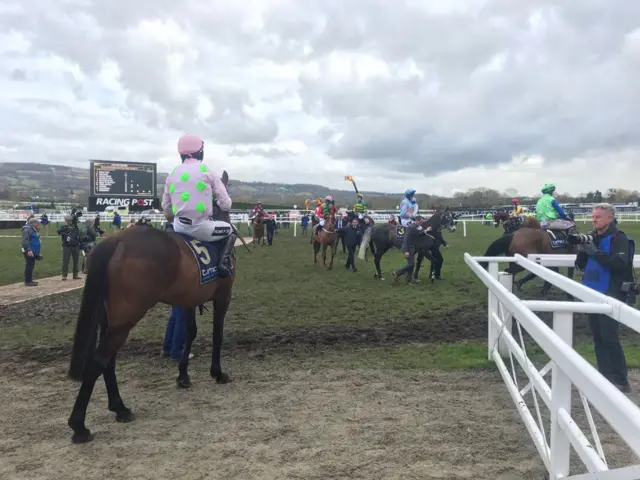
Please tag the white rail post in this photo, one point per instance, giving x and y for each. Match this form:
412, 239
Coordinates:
506, 280
560, 399
494, 304
295, 233
464, 229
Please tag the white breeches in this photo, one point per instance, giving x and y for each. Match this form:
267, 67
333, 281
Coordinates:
405, 222
205, 231
321, 221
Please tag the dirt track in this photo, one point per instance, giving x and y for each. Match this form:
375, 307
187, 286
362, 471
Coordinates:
270, 423
281, 418
266, 425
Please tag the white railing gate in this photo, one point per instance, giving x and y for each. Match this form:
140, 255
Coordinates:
566, 366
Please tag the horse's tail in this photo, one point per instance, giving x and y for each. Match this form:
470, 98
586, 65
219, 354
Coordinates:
498, 247
366, 239
92, 309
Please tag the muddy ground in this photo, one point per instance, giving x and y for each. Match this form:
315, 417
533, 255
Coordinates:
285, 416
272, 422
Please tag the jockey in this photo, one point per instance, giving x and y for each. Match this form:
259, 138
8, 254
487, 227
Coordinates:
325, 209
360, 208
187, 200
517, 209
548, 210
257, 210
408, 207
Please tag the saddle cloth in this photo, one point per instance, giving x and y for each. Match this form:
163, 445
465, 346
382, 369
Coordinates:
207, 255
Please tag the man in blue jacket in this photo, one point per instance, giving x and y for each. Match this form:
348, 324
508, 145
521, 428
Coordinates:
30, 249
607, 262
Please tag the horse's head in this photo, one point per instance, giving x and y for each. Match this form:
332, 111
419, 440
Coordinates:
217, 213
442, 219
330, 222
500, 217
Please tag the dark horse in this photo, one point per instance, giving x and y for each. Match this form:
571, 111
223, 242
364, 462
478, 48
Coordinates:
512, 223
526, 241
127, 275
383, 237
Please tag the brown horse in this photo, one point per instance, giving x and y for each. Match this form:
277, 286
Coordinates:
325, 237
526, 241
127, 275
258, 229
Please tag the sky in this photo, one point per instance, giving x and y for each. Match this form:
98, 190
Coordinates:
441, 96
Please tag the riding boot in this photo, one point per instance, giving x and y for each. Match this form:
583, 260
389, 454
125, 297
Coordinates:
225, 264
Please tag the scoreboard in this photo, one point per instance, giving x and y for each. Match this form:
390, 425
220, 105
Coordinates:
122, 179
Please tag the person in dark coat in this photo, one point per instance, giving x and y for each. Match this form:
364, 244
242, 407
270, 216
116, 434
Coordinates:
270, 223
351, 236
413, 231
438, 259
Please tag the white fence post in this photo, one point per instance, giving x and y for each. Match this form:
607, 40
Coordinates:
560, 399
506, 280
493, 305
464, 228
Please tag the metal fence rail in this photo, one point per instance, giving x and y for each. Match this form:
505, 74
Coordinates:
566, 367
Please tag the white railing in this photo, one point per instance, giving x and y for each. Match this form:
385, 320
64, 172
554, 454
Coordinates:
566, 366
375, 214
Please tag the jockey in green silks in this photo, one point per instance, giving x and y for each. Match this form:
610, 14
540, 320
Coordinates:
549, 212
360, 208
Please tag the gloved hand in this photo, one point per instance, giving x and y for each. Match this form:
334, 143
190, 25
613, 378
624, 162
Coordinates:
588, 248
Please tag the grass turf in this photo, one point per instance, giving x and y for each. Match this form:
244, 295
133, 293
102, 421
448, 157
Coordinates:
280, 298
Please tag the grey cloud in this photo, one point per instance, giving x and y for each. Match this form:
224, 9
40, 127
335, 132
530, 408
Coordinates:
18, 75
261, 152
242, 129
565, 88
579, 99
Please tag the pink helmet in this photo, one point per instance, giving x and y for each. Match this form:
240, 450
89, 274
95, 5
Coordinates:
328, 198
190, 144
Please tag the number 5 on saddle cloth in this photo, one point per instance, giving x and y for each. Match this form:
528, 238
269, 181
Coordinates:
207, 256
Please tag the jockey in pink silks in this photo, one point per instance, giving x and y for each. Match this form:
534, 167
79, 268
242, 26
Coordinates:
189, 194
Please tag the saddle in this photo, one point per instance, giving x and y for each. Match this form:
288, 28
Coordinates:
558, 230
206, 254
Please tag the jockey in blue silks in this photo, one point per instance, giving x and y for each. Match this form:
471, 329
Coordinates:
408, 207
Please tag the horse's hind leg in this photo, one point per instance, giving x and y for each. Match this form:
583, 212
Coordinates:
376, 261
220, 307
115, 405
191, 329
105, 354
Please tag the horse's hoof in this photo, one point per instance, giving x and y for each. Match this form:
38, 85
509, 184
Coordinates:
221, 377
125, 416
183, 382
82, 437
382, 278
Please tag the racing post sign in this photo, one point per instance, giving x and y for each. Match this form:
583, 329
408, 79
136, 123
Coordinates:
122, 184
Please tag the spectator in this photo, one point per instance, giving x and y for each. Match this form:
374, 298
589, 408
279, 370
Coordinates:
271, 225
70, 246
30, 249
351, 235
608, 264
304, 223
117, 221
174, 336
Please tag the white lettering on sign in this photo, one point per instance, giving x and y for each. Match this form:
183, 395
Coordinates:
124, 202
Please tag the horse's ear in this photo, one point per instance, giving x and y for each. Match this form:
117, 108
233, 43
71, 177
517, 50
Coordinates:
225, 177
446, 209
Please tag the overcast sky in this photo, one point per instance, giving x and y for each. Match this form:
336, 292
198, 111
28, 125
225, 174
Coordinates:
439, 95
